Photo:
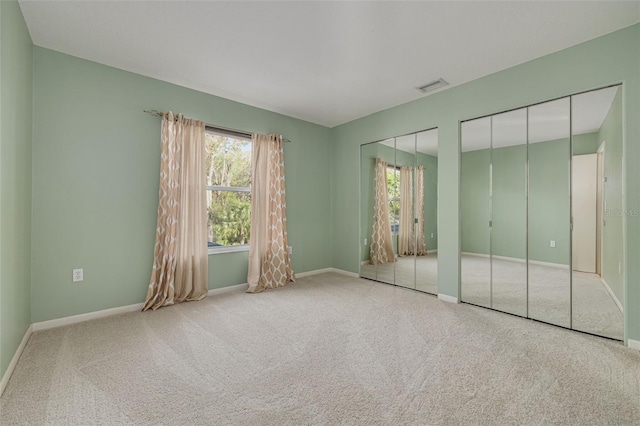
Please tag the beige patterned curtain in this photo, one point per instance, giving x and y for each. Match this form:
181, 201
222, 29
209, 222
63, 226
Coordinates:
180, 260
269, 260
420, 242
381, 250
406, 235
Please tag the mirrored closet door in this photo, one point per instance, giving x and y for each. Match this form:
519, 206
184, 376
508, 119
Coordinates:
509, 212
475, 205
540, 188
597, 210
398, 199
550, 212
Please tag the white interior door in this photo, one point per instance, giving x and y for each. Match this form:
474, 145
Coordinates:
584, 189
599, 209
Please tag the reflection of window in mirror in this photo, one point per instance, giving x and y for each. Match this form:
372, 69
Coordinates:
393, 188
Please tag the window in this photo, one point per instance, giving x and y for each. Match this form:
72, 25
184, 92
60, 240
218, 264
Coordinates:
228, 168
393, 188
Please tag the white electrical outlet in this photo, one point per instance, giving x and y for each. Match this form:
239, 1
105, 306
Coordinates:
290, 249
552, 243
432, 235
78, 275
365, 241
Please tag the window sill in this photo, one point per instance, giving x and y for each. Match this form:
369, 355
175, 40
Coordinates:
231, 249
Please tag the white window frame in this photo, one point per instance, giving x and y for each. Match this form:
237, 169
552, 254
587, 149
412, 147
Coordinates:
395, 169
239, 247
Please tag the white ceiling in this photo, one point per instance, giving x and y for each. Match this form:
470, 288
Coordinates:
547, 121
425, 142
325, 62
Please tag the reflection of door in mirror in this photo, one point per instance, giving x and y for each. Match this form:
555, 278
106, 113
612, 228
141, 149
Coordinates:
541, 212
596, 184
584, 183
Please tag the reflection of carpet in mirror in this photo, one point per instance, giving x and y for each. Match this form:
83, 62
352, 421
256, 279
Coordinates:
594, 311
401, 272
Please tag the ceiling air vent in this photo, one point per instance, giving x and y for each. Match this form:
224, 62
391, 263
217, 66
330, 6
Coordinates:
435, 84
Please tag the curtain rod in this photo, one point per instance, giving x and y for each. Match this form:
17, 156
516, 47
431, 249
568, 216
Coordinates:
215, 128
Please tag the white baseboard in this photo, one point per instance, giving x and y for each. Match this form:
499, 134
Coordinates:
511, 259
12, 365
517, 260
343, 272
468, 253
612, 294
222, 290
325, 270
447, 298
552, 265
432, 251
633, 344
314, 272
74, 319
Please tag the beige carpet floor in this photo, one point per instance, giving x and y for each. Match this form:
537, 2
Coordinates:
592, 310
329, 349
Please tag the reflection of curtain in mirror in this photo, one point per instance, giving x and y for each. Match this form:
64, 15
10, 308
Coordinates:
420, 242
406, 236
381, 246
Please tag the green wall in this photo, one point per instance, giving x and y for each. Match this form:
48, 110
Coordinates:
508, 207
548, 201
15, 180
475, 204
401, 158
96, 159
613, 231
586, 143
559, 74
509, 202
